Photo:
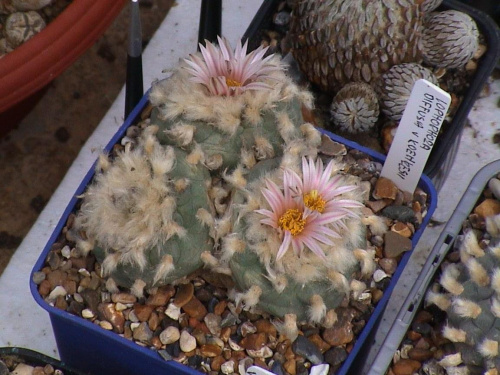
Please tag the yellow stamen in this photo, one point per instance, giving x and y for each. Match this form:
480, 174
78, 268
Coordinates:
292, 221
232, 83
314, 201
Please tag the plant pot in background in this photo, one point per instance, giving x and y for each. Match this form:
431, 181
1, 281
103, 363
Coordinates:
25, 71
465, 216
107, 352
32, 358
443, 154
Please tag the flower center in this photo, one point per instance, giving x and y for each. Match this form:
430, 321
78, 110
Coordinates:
292, 221
314, 201
232, 83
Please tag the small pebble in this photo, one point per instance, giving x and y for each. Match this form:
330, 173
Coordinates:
187, 342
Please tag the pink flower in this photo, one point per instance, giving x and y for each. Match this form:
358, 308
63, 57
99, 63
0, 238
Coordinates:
225, 73
306, 212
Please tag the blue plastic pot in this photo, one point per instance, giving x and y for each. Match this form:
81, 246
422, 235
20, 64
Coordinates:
89, 348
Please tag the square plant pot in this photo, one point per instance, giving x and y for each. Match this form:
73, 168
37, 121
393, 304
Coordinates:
88, 347
271, 24
466, 215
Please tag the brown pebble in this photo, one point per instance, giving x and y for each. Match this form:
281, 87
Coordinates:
261, 363
44, 288
195, 309
376, 295
339, 334
389, 265
402, 229
423, 317
61, 303
56, 278
321, 344
155, 341
290, 366
413, 336
253, 341
265, 326
184, 294
125, 298
406, 367
225, 333
116, 318
488, 207
217, 363
395, 244
385, 188
420, 355
378, 205
153, 321
162, 296
70, 286
210, 350
220, 307
143, 312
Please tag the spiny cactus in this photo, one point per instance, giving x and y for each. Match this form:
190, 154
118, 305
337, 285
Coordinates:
232, 108
469, 292
297, 240
142, 213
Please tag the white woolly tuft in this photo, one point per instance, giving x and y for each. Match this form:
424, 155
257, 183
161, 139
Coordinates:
378, 224
477, 272
454, 334
236, 178
247, 158
488, 348
209, 260
308, 273
84, 246
263, 149
149, 143
164, 268
312, 134
232, 244
495, 281
181, 184
181, 134
470, 246
357, 288
196, 156
214, 162
252, 296
495, 306
135, 257
288, 328
338, 280
367, 260
451, 360
280, 282
466, 308
449, 280
286, 127
110, 263
317, 309
137, 288
174, 229
206, 218
103, 163
440, 300
330, 318
162, 160
111, 286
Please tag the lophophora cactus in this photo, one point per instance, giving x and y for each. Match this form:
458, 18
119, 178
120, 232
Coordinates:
204, 185
298, 241
143, 212
469, 293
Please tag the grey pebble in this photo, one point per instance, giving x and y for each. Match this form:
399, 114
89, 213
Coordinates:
400, 213
143, 333
38, 277
305, 348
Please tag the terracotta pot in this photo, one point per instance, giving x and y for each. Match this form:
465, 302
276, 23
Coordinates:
37, 62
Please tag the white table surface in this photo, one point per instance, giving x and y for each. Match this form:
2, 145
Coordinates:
23, 323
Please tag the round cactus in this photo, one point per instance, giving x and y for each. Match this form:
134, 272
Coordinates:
231, 108
340, 41
355, 108
450, 39
144, 214
297, 240
396, 84
469, 292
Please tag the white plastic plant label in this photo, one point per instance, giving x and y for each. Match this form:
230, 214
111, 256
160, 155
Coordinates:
416, 134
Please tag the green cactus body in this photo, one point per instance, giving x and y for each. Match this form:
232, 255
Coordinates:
257, 122
144, 218
305, 286
471, 299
